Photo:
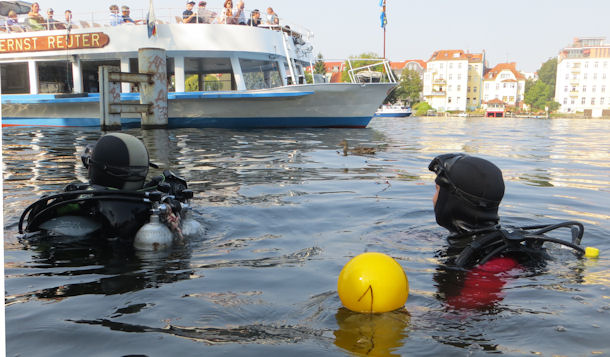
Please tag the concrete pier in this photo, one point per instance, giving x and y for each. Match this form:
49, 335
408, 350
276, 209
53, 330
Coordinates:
152, 84
153, 61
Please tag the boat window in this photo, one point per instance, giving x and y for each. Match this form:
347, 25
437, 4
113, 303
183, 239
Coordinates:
15, 78
55, 77
260, 74
208, 74
90, 70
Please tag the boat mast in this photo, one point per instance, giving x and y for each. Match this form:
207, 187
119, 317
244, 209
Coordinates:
384, 22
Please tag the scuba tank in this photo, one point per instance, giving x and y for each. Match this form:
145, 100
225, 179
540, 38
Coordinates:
154, 235
190, 227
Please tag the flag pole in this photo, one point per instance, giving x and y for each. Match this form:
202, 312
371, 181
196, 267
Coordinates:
384, 21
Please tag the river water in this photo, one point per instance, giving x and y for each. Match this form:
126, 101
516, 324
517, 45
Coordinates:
283, 211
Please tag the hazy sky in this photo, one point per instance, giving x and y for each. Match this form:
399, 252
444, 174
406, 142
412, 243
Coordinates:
524, 31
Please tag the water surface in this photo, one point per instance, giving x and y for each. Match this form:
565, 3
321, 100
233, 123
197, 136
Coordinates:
283, 211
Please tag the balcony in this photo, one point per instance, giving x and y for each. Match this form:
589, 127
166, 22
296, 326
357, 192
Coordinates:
436, 94
574, 93
440, 81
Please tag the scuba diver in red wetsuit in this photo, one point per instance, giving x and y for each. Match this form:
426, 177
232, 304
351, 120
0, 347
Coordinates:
481, 253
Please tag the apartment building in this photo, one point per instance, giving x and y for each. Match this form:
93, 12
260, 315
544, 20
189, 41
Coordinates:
453, 79
504, 83
583, 77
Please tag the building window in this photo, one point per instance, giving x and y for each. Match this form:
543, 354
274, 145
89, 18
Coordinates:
565, 100
595, 65
504, 85
573, 101
592, 101
459, 65
442, 65
586, 64
601, 100
449, 100
497, 85
567, 76
582, 100
450, 76
459, 87
449, 88
511, 99
593, 89
565, 89
468, 90
486, 86
458, 99
450, 65
603, 89
594, 75
474, 89
486, 97
603, 76
459, 77
584, 76
584, 89
512, 85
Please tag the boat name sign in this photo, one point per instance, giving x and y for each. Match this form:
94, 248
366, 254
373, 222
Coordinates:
54, 43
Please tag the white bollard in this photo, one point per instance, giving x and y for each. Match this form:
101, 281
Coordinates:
110, 93
154, 61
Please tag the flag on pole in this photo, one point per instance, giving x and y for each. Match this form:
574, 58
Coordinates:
384, 18
151, 21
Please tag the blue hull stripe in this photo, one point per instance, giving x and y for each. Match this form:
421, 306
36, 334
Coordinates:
229, 123
95, 97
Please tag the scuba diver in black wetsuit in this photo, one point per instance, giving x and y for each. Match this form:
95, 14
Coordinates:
116, 202
468, 193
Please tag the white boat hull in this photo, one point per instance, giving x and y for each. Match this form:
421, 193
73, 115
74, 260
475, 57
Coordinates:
318, 105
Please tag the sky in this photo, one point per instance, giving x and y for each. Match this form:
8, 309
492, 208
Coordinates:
527, 32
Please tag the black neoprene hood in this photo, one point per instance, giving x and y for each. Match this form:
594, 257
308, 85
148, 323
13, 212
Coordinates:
470, 191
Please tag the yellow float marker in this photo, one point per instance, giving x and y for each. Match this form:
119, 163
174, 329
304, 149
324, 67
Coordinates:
591, 252
373, 283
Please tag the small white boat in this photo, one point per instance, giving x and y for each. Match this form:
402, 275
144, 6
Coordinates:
219, 75
393, 110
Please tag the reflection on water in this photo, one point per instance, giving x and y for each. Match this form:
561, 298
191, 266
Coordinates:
372, 334
283, 211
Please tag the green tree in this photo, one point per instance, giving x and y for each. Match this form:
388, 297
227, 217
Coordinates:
361, 61
548, 72
319, 67
408, 89
539, 94
191, 84
421, 108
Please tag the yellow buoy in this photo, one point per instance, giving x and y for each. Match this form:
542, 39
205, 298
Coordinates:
591, 252
373, 282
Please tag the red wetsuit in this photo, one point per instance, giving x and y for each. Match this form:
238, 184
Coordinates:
483, 284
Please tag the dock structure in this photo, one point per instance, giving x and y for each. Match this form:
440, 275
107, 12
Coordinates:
152, 85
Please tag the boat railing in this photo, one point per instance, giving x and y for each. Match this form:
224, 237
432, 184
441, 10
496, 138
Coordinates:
370, 72
162, 16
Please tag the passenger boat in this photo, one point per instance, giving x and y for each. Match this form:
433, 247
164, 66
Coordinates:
224, 76
393, 110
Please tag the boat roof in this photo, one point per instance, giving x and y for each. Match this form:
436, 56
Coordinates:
90, 40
